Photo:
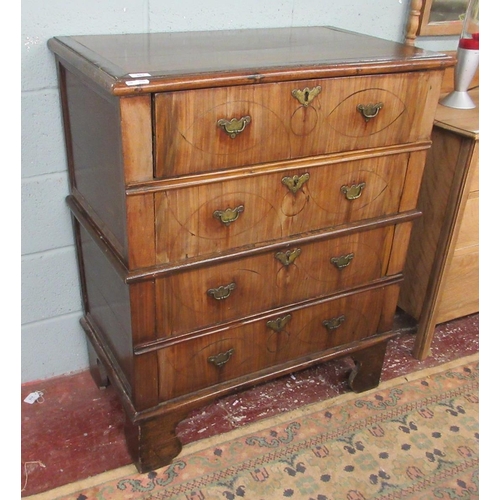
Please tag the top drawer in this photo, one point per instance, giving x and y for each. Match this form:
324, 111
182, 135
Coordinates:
212, 129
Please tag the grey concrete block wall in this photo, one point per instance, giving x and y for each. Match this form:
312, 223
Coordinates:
52, 341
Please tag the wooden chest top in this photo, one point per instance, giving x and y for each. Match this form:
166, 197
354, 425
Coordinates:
153, 62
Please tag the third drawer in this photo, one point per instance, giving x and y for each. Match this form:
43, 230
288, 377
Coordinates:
216, 294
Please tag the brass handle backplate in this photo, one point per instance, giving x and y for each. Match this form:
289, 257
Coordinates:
342, 261
279, 324
229, 215
234, 126
222, 292
306, 95
222, 358
288, 257
353, 192
369, 111
296, 182
333, 323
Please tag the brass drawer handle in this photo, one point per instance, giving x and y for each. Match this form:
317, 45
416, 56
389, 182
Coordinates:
288, 257
229, 215
279, 324
234, 126
222, 358
296, 182
353, 192
333, 323
342, 261
306, 96
369, 111
222, 292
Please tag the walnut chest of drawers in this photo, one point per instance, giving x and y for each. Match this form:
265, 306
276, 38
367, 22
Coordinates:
242, 205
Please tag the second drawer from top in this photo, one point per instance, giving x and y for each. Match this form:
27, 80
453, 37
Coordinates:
234, 213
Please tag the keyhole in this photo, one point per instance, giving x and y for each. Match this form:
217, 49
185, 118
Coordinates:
306, 95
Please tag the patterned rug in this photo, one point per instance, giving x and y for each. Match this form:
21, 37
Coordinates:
413, 437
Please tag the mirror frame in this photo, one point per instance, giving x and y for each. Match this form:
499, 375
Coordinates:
419, 25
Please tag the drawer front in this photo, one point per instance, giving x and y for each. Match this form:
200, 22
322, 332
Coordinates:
205, 130
216, 217
220, 293
202, 362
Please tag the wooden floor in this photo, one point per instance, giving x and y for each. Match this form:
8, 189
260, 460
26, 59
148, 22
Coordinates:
75, 430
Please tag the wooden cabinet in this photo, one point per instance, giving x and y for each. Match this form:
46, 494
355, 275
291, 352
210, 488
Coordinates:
242, 205
443, 260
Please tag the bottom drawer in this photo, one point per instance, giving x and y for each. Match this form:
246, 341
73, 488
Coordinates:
246, 348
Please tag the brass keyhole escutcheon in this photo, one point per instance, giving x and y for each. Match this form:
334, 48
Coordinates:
306, 95
342, 261
222, 292
279, 324
222, 358
369, 111
353, 192
333, 323
234, 126
296, 182
287, 258
229, 215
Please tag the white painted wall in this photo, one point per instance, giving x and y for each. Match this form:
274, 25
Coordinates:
52, 341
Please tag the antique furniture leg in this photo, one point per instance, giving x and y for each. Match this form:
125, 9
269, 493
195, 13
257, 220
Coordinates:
153, 443
366, 374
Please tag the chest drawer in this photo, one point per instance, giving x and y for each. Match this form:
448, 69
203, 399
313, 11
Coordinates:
218, 294
204, 130
216, 217
194, 364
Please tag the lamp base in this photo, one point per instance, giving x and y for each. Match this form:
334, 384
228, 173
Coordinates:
467, 63
458, 100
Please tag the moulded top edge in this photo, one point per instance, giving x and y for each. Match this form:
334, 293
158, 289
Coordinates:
151, 62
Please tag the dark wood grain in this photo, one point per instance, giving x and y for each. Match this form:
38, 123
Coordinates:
215, 58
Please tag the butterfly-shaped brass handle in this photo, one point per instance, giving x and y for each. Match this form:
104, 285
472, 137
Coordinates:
287, 258
370, 111
279, 324
342, 261
222, 358
296, 182
229, 215
306, 95
333, 323
222, 292
353, 192
234, 126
